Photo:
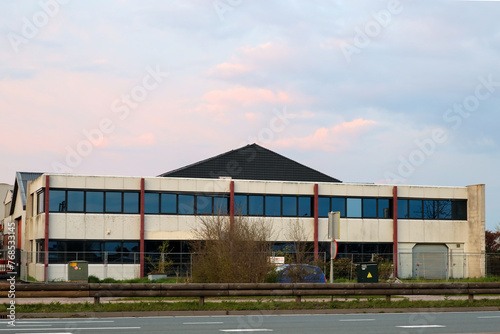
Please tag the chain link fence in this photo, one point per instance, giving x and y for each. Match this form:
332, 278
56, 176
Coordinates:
426, 265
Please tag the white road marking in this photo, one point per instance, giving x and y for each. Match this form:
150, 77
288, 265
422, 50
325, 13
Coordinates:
203, 323
422, 326
76, 328
245, 330
357, 320
61, 322
491, 317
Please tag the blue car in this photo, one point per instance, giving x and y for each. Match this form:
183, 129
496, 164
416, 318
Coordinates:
299, 273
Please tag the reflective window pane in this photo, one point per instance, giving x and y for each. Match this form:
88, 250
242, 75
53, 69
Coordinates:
430, 209
94, 251
240, 205
415, 208
323, 207
114, 251
402, 208
338, 204
370, 207
273, 206
384, 208
221, 205
354, 207
445, 209
459, 210
151, 203
186, 204
130, 252
113, 201
203, 205
57, 200
75, 201
305, 206
94, 201
256, 205
168, 203
290, 206
131, 202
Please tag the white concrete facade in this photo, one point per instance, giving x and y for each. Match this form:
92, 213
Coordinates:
464, 236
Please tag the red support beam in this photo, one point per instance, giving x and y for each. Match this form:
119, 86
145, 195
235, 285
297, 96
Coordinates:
141, 245
231, 206
316, 220
395, 229
46, 244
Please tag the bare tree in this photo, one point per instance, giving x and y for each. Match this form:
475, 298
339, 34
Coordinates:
225, 254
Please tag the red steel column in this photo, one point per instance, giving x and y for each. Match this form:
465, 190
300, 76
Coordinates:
231, 205
46, 244
141, 250
316, 219
395, 229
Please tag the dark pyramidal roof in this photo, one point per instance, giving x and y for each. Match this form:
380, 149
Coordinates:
251, 162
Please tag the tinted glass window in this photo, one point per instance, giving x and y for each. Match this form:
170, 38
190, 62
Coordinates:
354, 207
445, 209
131, 202
323, 206
57, 200
240, 205
151, 203
114, 251
40, 202
459, 210
430, 209
289, 206
203, 205
415, 208
370, 207
338, 204
256, 205
75, 201
305, 206
221, 205
113, 201
186, 204
94, 201
168, 203
384, 208
130, 251
94, 251
402, 208
273, 206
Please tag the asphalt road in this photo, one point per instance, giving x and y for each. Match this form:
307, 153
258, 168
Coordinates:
445, 323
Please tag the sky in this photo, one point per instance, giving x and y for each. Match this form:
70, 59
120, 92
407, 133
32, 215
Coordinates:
393, 92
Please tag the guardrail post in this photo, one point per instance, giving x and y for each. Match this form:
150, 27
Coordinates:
202, 300
388, 298
97, 300
471, 298
298, 299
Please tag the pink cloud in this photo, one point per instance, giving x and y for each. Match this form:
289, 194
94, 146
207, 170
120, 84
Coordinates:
334, 139
245, 96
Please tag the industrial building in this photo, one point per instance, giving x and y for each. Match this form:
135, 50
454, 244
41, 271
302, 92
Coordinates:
112, 221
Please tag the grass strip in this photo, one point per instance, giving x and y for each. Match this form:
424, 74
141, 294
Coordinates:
247, 306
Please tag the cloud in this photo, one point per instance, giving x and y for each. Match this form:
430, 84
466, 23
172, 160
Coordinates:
334, 139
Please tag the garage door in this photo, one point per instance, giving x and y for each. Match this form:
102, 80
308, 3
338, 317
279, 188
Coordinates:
430, 261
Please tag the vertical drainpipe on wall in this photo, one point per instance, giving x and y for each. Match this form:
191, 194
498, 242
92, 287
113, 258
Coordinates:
46, 244
316, 219
141, 243
395, 229
231, 206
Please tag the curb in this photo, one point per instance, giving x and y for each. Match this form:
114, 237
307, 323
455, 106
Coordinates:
246, 313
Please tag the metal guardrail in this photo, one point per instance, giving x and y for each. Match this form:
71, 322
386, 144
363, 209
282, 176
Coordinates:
297, 290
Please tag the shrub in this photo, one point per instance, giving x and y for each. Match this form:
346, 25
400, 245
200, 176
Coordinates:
109, 280
94, 279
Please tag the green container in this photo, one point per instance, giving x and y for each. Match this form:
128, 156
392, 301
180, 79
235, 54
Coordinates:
78, 271
367, 272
